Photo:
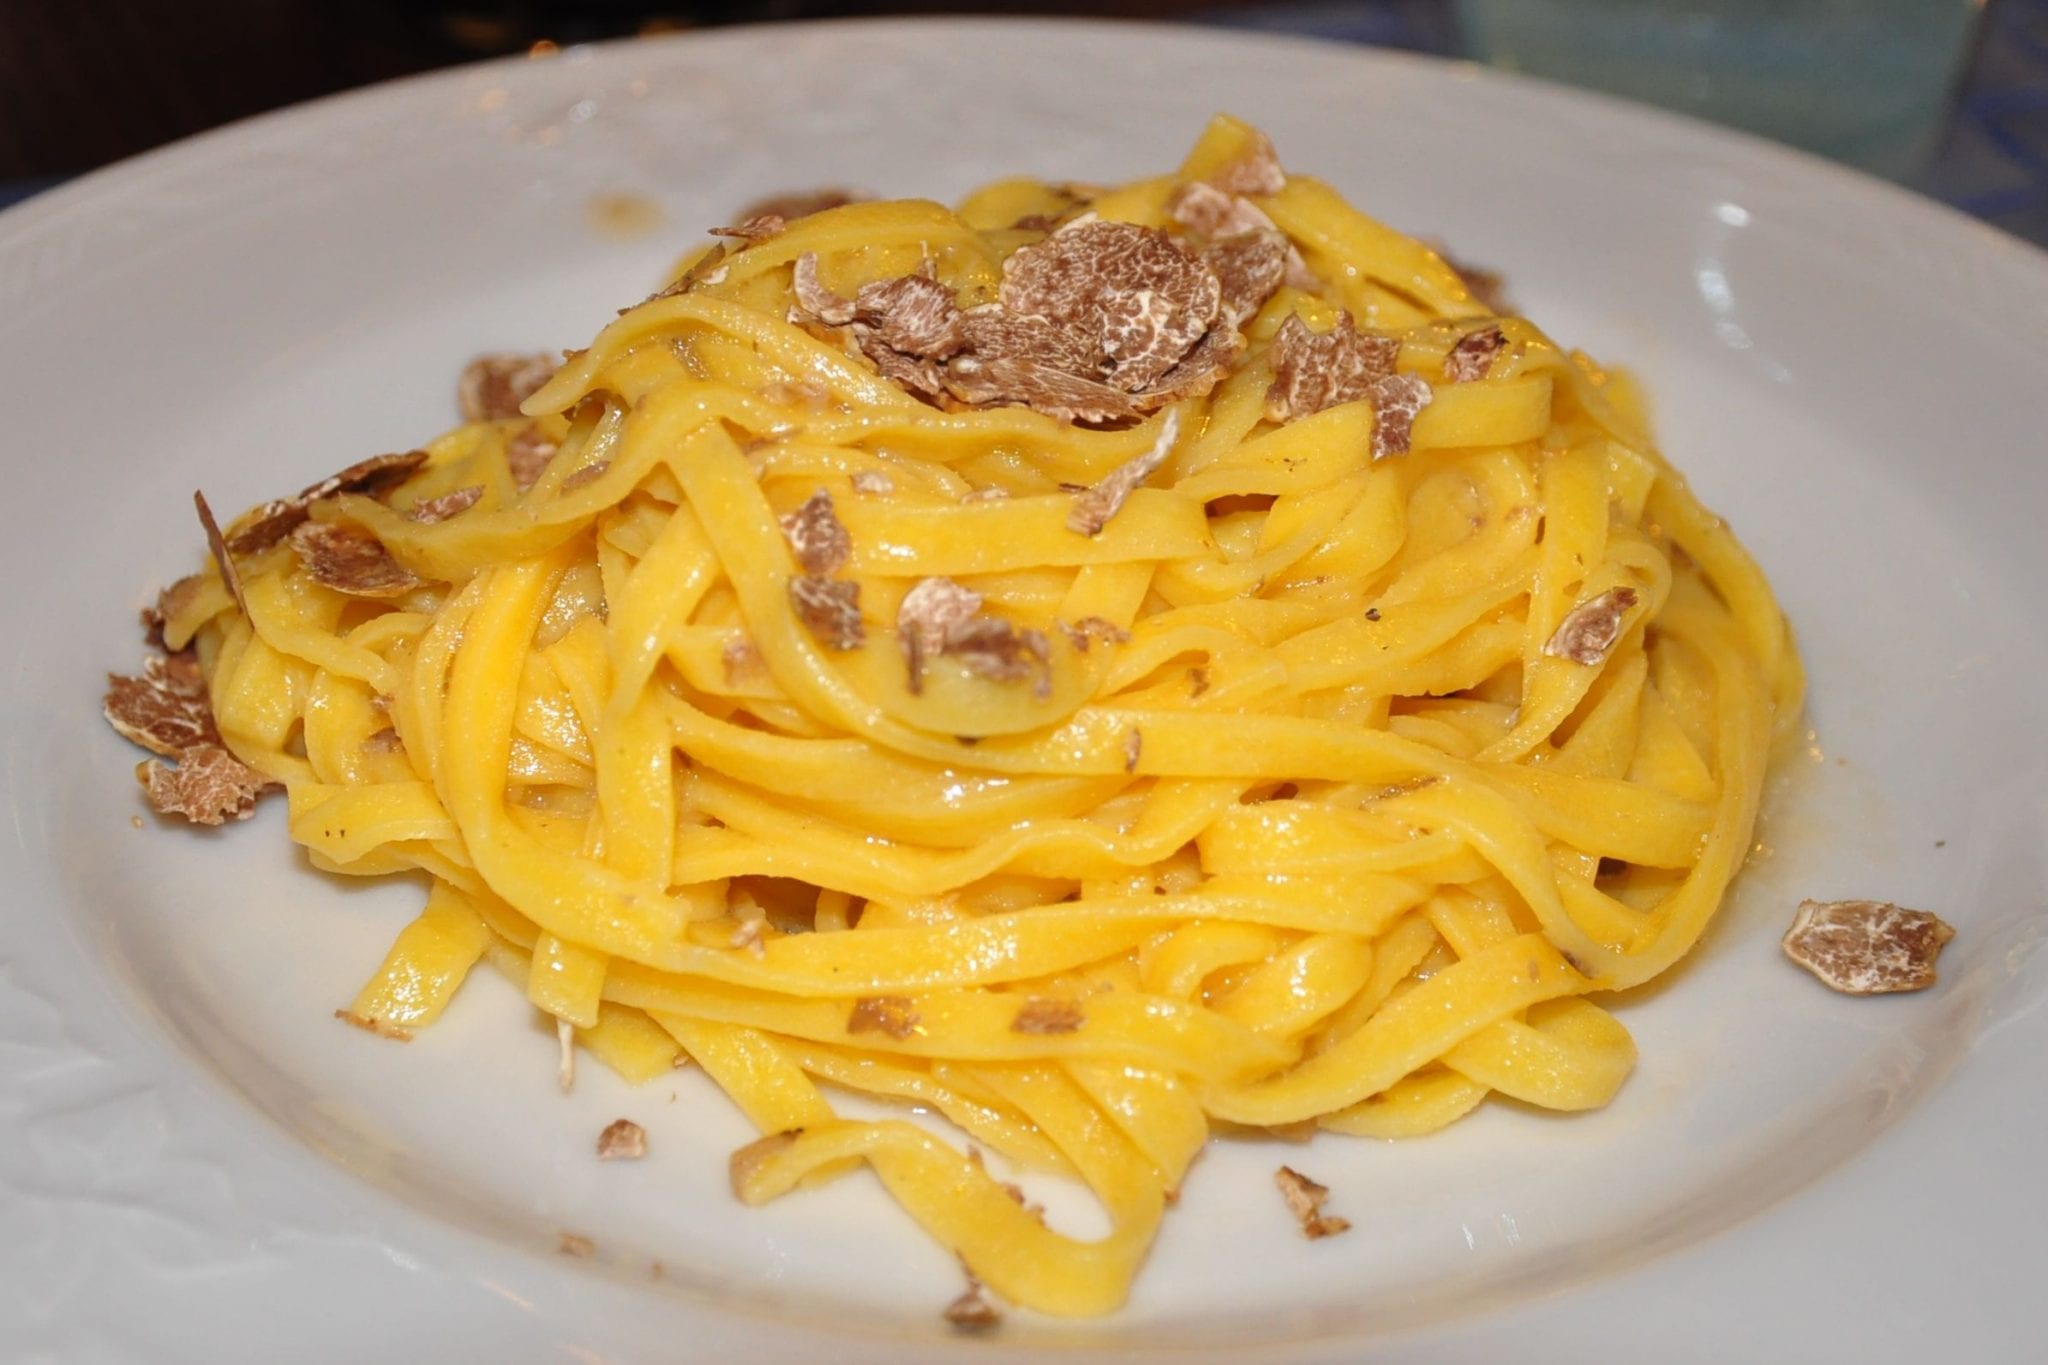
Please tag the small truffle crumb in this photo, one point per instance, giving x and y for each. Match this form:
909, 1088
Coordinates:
1044, 1015
994, 649
1134, 745
575, 1244
830, 608
527, 456
817, 536
1590, 629
758, 228
1305, 1201
891, 1014
493, 386
376, 1026
1472, 357
972, 1312
874, 482
1198, 680
622, 1140
738, 657
1089, 629
585, 476
1867, 947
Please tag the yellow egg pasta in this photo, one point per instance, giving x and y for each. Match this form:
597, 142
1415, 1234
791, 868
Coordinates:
1324, 782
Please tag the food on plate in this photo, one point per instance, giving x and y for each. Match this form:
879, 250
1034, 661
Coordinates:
1867, 947
1095, 664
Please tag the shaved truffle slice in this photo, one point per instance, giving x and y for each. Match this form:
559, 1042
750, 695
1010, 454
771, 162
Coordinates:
622, 1140
914, 374
1042, 1015
914, 314
1590, 629
259, 529
755, 228
1396, 399
493, 386
928, 612
1212, 215
830, 608
814, 298
1141, 296
994, 649
223, 558
1249, 267
527, 456
165, 712
1201, 370
1473, 355
816, 534
170, 603
796, 204
209, 785
449, 504
1317, 370
1018, 382
1093, 509
351, 560
1257, 171
1867, 947
1089, 629
890, 1014
991, 332
1305, 1201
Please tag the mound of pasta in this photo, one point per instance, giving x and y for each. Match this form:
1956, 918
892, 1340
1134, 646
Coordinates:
1105, 666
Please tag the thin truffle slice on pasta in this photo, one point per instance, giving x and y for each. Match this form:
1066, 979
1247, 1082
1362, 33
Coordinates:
1094, 703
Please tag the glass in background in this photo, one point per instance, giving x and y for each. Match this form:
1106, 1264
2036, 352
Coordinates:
1867, 82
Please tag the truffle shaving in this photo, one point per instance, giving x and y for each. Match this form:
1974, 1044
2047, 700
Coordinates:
1305, 1201
830, 608
209, 785
162, 711
1093, 509
263, 527
926, 616
350, 560
1249, 267
1029, 383
622, 1140
493, 387
449, 504
914, 314
1317, 370
890, 1014
758, 227
1042, 1015
223, 558
814, 298
1139, 295
1590, 629
1473, 355
1396, 400
1867, 947
817, 536
747, 1161
994, 649
527, 456
972, 1312
1089, 629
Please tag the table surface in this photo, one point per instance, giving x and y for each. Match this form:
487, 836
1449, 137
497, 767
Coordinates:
1992, 162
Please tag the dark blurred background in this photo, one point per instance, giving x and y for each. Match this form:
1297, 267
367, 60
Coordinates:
87, 82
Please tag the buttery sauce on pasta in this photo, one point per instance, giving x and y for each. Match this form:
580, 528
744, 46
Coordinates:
1324, 782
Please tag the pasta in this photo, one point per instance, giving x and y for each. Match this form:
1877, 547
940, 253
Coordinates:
1277, 745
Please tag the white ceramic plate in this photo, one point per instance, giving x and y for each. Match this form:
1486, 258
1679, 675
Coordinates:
197, 1163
